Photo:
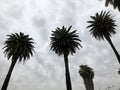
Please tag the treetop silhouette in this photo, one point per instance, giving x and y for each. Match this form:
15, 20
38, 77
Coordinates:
17, 47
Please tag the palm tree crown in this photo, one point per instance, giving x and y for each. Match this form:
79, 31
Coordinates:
19, 46
107, 2
86, 72
102, 25
65, 42
115, 3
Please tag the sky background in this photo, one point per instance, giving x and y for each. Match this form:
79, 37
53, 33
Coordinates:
45, 70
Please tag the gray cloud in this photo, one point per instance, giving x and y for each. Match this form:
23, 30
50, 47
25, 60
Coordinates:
46, 70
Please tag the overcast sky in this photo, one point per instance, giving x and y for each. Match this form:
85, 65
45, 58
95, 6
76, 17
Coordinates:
45, 70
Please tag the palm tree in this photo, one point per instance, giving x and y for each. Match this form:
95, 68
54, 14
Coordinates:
17, 47
64, 42
115, 3
87, 74
119, 71
102, 26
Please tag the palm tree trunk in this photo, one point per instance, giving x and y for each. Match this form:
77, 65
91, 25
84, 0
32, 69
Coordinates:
91, 84
67, 74
6, 81
88, 84
115, 51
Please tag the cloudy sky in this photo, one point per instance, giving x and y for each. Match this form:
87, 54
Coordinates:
45, 70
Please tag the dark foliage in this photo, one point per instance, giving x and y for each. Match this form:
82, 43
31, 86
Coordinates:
86, 72
65, 41
18, 46
115, 3
102, 25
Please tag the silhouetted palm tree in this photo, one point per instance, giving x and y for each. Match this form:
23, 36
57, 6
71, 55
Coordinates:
115, 3
17, 47
87, 74
64, 42
119, 71
102, 26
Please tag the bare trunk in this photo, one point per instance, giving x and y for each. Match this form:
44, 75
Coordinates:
86, 83
67, 74
7, 79
89, 85
114, 49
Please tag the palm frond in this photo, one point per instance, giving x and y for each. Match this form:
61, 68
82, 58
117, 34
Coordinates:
115, 3
86, 72
64, 41
101, 25
18, 46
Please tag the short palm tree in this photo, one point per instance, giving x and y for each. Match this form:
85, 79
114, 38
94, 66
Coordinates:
65, 42
115, 3
18, 47
87, 74
102, 26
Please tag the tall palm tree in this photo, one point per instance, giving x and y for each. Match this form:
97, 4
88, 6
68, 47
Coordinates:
65, 42
18, 47
87, 74
115, 3
102, 26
